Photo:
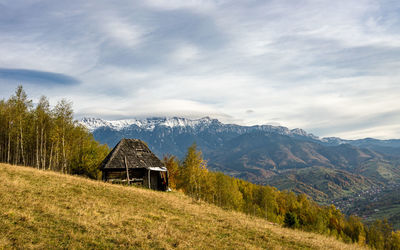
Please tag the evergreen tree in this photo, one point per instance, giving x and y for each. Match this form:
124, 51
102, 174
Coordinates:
291, 220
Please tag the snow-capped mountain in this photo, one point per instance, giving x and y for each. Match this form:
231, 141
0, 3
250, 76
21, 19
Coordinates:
195, 125
146, 123
174, 135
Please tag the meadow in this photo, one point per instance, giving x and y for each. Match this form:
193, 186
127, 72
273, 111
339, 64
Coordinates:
44, 209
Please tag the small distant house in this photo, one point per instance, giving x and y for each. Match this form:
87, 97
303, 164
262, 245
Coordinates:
132, 162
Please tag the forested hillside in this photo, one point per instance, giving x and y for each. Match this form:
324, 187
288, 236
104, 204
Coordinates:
282, 207
46, 138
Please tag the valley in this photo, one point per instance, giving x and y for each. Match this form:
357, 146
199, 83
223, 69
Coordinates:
378, 203
330, 170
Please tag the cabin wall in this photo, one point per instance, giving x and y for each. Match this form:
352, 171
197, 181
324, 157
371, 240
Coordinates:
115, 174
120, 174
140, 174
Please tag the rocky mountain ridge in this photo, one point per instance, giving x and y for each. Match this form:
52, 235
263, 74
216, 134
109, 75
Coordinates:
195, 125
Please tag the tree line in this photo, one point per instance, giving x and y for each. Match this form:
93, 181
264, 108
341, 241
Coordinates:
282, 207
47, 137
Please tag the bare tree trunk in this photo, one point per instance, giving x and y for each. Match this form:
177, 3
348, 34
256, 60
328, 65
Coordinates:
57, 162
16, 154
64, 161
22, 142
51, 156
41, 148
44, 153
9, 144
37, 147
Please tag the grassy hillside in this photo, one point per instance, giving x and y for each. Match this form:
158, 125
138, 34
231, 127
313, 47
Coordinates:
44, 209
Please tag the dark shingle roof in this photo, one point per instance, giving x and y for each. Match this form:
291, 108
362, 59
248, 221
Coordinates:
137, 154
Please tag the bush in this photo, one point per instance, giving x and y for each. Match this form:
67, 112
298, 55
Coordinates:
291, 220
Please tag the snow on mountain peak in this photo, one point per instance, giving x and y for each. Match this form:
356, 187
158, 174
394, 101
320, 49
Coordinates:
197, 124
145, 123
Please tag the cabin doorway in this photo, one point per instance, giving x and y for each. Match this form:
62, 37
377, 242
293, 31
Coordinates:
158, 180
154, 180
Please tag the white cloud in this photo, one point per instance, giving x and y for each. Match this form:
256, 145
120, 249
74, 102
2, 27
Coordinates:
196, 5
185, 53
127, 34
330, 67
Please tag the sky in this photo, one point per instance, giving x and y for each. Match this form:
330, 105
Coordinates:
329, 67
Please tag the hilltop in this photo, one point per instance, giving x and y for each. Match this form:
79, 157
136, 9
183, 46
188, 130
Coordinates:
41, 209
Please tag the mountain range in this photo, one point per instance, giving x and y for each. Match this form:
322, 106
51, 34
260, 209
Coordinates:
327, 169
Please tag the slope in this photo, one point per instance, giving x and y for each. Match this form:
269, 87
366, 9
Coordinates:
45, 209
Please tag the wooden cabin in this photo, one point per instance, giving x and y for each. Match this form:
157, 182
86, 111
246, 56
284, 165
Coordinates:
132, 162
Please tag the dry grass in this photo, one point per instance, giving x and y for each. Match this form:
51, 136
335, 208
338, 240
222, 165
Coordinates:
49, 210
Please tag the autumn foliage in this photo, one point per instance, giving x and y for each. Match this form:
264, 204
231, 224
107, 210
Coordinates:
46, 137
282, 207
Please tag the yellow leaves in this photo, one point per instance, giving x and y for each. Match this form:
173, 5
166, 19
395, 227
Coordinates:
172, 164
396, 240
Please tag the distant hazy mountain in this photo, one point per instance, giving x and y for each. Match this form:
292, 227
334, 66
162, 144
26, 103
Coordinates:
324, 168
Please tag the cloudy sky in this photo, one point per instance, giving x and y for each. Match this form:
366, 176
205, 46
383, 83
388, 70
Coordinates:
330, 67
